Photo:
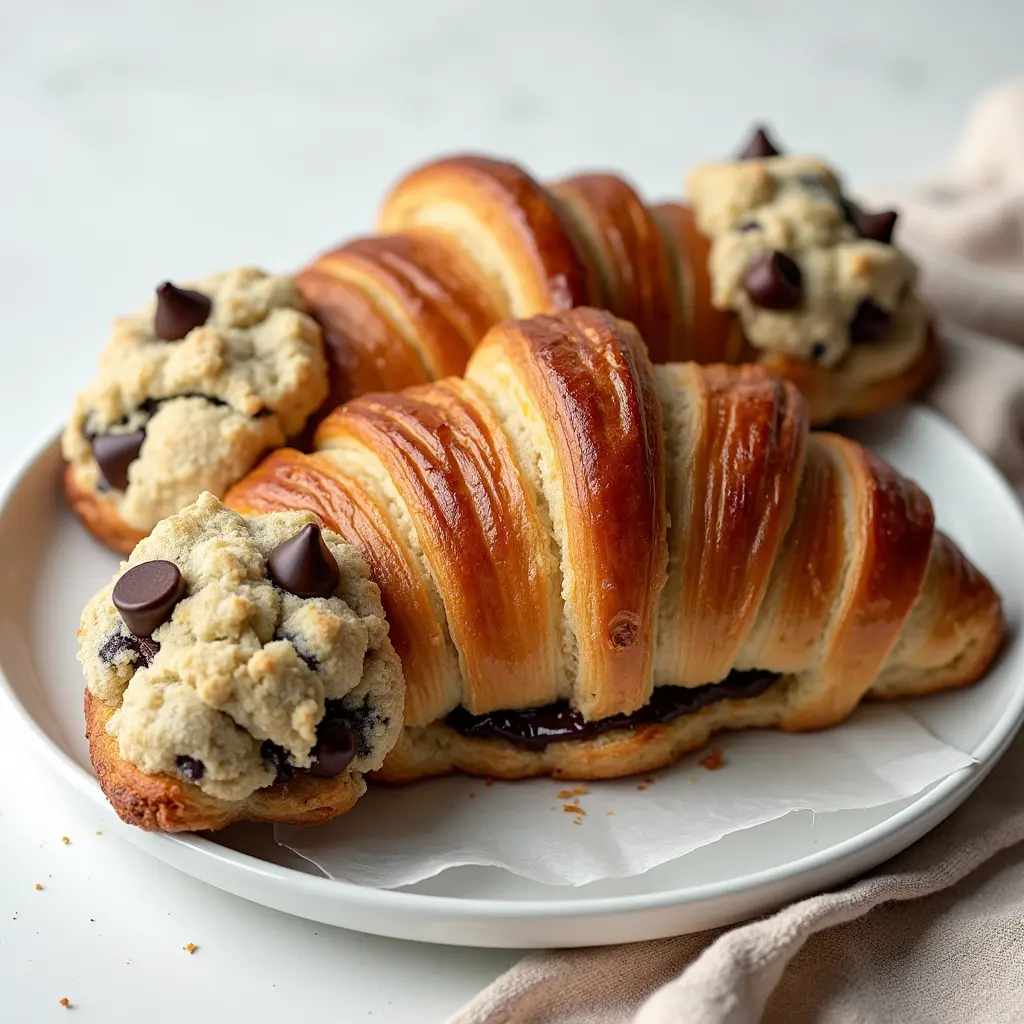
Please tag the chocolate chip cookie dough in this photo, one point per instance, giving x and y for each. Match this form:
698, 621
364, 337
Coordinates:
191, 391
810, 274
239, 652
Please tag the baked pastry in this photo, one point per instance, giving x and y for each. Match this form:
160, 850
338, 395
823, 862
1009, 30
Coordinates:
469, 241
191, 391
238, 669
589, 563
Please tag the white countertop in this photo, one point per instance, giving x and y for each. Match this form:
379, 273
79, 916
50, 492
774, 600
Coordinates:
140, 141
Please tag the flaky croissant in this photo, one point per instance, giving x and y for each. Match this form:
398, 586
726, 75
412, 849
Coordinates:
469, 241
590, 563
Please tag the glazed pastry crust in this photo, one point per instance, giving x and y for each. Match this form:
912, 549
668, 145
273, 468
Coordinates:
162, 803
689, 521
468, 242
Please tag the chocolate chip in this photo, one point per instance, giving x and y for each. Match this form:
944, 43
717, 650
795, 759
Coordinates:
191, 768
817, 352
869, 323
303, 565
277, 757
876, 226
144, 648
758, 145
773, 281
178, 311
114, 453
146, 595
747, 225
305, 655
335, 749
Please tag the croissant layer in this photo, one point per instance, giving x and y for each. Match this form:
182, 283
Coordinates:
570, 522
468, 241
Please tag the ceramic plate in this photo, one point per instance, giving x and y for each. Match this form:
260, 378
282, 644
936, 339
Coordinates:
50, 567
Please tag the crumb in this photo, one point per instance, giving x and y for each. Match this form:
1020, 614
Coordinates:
649, 781
577, 821
66, 1003
692, 778
39, 888
609, 812
573, 809
93, 919
99, 831
65, 840
488, 781
579, 790
472, 796
641, 787
564, 794
713, 760
189, 947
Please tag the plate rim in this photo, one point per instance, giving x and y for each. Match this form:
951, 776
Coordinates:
173, 849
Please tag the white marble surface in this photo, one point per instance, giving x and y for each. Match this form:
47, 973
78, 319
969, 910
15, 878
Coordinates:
147, 140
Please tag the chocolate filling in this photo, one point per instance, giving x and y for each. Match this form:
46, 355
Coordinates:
535, 728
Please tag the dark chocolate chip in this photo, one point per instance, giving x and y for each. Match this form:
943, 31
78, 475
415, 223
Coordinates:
335, 749
876, 226
817, 352
146, 594
758, 145
773, 281
277, 757
870, 323
747, 225
303, 565
178, 311
144, 648
114, 453
190, 767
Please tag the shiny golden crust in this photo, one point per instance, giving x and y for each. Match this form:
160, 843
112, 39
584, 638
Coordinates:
503, 220
470, 241
794, 553
161, 803
99, 517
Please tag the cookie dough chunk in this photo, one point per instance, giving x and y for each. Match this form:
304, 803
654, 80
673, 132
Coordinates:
192, 390
239, 651
810, 274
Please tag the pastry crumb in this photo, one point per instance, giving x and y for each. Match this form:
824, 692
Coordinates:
189, 947
65, 840
39, 887
472, 795
609, 812
573, 809
713, 759
580, 790
641, 787
649, 780
66, 1003
99, 831
488, 781
564, 794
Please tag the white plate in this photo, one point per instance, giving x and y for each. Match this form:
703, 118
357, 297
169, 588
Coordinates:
49, 568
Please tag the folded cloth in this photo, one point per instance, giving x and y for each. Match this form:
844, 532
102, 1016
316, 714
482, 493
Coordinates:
935, 934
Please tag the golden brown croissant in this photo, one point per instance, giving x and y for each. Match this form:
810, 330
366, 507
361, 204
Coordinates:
590, 563
469, 241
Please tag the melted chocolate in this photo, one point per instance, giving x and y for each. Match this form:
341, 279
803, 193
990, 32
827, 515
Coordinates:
535, 728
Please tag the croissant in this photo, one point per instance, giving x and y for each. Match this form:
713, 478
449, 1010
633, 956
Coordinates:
469, 241
590, 563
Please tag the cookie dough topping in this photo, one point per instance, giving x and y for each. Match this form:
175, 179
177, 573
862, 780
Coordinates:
192, 390
808, 272
223, 676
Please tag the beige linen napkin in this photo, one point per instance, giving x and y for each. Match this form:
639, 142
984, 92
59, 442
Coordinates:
937, 934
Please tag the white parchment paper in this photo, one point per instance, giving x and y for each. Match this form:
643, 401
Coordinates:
569, 833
